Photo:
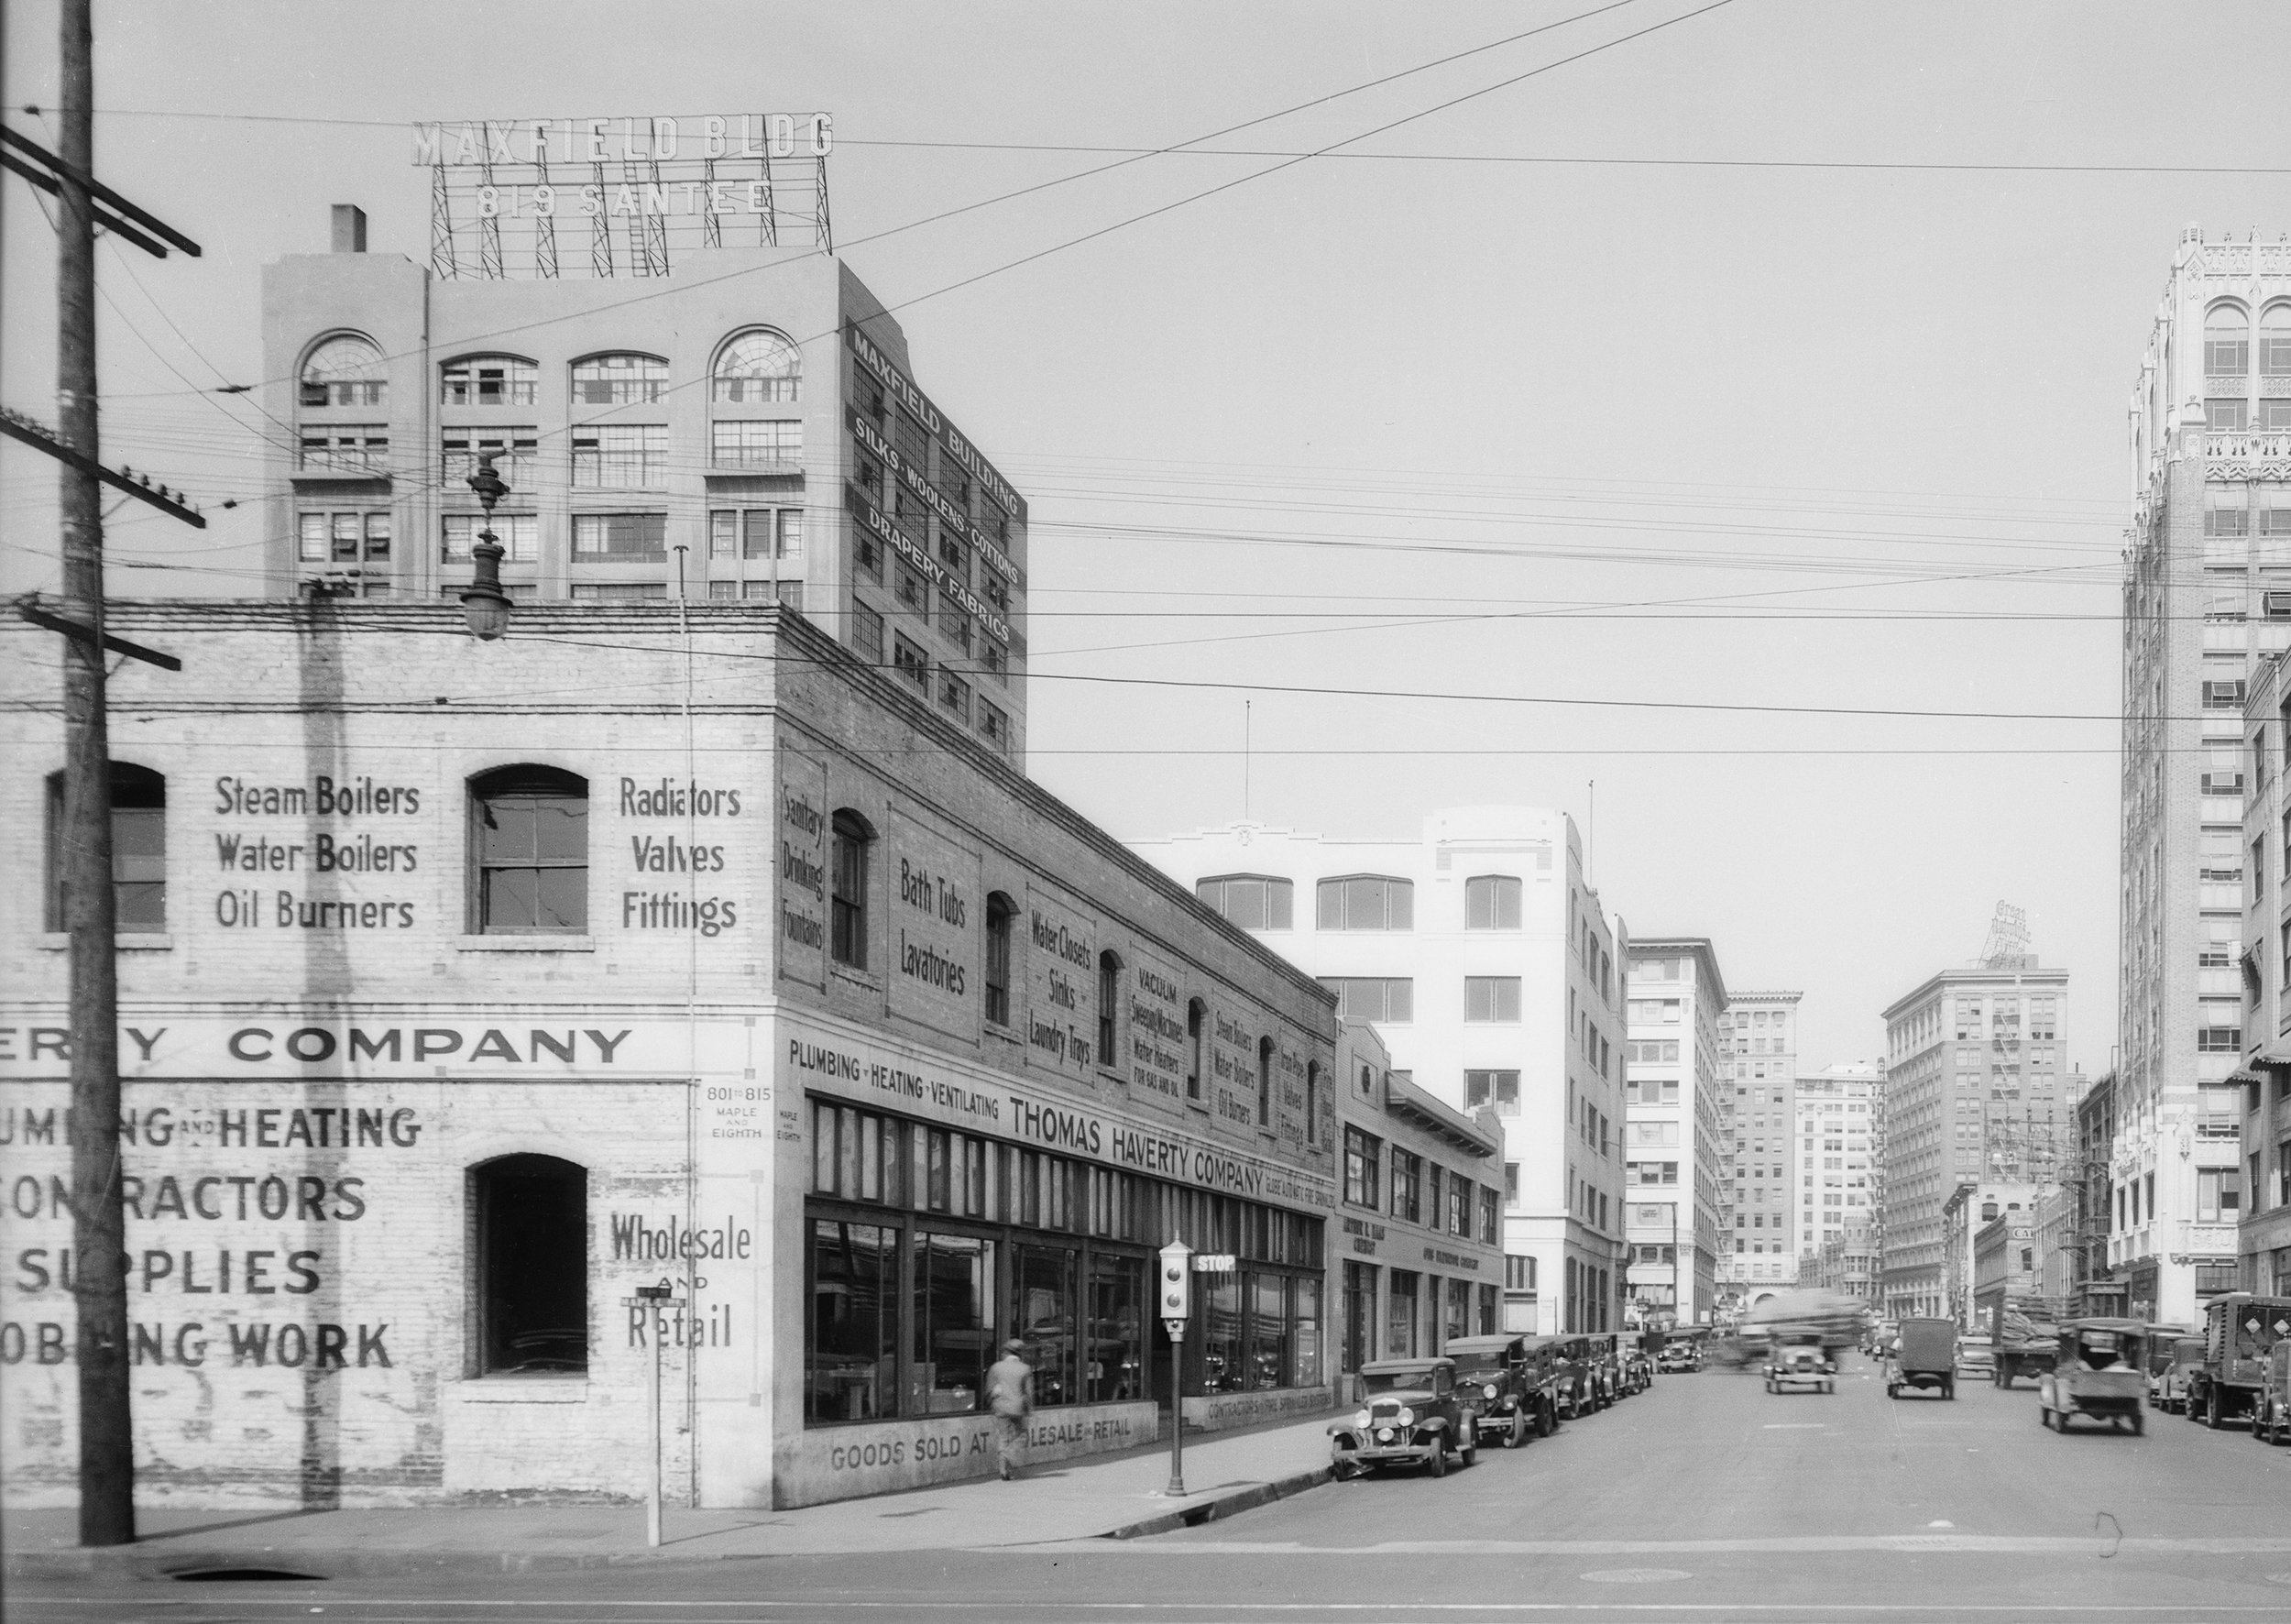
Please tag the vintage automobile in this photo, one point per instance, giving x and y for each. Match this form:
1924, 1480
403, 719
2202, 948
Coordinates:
1514, 1382
1922, 1355
1607, 1369
2271, 1409
2168, 1388
2238, 1331
1572, 1393
1680, 1353
1409, 1416
2098, 1372
1800, 1365
1639, 1367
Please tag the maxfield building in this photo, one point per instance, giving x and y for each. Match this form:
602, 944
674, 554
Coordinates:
467, 987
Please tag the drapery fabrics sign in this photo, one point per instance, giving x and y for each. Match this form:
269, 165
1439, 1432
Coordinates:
898, 1079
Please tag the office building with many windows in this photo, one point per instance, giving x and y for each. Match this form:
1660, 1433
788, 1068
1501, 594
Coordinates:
1976, 1091
1758, 1118
1838, 1165
1480, 953
1674, 1081
2206, 594
748, 430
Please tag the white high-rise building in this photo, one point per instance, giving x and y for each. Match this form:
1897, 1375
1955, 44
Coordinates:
1675, 1095
1840, 1112
1759, 1117
1480, 952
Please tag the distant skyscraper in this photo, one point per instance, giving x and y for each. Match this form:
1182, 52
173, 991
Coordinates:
1974, 1092
1760, 1116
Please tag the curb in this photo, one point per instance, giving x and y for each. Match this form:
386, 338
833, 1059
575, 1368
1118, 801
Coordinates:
1242, 1499
161, 1558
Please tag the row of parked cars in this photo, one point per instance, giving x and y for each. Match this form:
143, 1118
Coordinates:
1418, 1412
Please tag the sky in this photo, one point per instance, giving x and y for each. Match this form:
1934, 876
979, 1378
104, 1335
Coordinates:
1686, 435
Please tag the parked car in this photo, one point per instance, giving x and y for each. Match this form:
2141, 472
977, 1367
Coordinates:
1606, 1368
1573, 1394
2270, 1411
2168, 1388
2239, 1329
1800, 1365
1409, 1416
1514, 1386
2100, 1372
1923, 1355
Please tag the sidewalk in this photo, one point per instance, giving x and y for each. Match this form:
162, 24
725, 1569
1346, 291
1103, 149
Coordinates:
1116, 1496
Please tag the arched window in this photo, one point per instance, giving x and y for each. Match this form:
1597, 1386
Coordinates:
2275, 341
488, 380
1366, 902
345, 370
1254, 902
848, 900
758, 367
1000, 912
138, 850
531, 1222
1109, 1006
1196, 1024
529, 845
1265, 1083
2227, 341
624, 380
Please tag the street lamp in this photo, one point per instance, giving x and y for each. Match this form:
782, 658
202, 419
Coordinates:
483, 604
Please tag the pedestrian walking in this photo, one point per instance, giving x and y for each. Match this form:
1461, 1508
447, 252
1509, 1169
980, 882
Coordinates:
1009, 1395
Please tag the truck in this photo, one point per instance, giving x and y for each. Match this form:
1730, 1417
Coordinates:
2240, 1329
2023, 1338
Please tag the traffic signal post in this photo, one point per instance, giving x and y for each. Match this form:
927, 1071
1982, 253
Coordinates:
1177, 1307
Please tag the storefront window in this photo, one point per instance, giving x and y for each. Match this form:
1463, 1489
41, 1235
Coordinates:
1268, 1330
1304, 1345
1048, 1315
954, 1322
1115, 1367
1223, 1363
850, 1363
1459, 1321
1399, 1320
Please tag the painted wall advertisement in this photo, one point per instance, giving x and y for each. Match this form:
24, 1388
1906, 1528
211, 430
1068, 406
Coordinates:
1061, 959
802, 878
934, 924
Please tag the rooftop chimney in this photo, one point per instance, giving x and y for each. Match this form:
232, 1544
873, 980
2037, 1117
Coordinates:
349, 229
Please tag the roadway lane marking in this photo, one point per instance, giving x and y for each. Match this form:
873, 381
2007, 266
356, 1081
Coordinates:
1795, 1426
1802, 1544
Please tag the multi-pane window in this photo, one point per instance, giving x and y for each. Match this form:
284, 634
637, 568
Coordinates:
138, 798
619, 456
529, 828
756, 532
913, 442
954, 694
1408, 1186
609, 591
1491, 997
518, 533
867, 634
619, 538
1491, 902
954, 625
2227, 342
346, 448
909, 587
1490, 1231
758, 369
994, 725
847, 907
2275, 341
1254, 902
342, 537
488, 380
345, 370
512, 450
2227, 510
1367, 902
751, 445
1651, 1172
1000, 912
1499, 1088
1373, 998
619, 380
996, 659
994, 589
911, 663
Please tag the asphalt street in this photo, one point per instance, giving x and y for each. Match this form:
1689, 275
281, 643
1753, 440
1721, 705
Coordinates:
1704, 1498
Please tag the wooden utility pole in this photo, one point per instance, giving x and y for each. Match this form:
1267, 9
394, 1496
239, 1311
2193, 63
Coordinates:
107, 1514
